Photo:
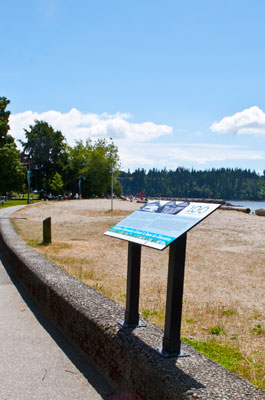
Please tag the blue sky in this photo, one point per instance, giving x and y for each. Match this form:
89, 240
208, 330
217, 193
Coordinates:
173, 83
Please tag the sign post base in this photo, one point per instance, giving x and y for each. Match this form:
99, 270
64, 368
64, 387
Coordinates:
165, 354
124, 324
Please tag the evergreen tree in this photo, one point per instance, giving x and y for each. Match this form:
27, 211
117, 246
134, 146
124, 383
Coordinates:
223, 183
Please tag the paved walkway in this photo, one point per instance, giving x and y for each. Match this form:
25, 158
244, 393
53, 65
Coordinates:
37, 362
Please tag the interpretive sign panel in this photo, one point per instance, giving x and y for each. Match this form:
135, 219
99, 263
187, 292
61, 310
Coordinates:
158, 223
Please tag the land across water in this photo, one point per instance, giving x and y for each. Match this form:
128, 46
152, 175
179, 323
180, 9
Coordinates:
224, 287
253, 205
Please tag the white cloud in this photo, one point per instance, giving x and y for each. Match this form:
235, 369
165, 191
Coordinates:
75, 125
135, 141
248, 121
154, 155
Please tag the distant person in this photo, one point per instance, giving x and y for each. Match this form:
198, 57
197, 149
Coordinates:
172, 207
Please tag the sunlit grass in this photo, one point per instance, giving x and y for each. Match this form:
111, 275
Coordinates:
251, 368
11, 203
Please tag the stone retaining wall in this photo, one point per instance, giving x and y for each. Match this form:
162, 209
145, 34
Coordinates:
126, 357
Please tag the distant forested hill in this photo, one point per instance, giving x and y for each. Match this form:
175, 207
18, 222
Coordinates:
223, 183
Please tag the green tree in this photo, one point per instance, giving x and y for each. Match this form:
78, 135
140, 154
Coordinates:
103, 158
261, 189
5, 138
12, 172
77, 164
44, 152
56, 184
225, 183
93, 162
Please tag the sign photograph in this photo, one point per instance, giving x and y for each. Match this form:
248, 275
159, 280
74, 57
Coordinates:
158, 223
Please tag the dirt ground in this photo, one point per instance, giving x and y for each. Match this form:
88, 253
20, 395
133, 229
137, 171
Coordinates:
224, 288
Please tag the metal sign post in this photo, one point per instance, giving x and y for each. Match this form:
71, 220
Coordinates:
176, 267
79, 188
111, 188
133, 288
28, 179
159, 224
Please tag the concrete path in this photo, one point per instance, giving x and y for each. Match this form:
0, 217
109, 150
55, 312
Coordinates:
36, 361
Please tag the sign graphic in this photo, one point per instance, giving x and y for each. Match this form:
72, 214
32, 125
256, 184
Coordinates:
158, 223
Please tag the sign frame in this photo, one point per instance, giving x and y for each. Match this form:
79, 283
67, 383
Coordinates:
171, 345
159, 223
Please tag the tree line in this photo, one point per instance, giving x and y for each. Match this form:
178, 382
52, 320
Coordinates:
223, 183
51, 165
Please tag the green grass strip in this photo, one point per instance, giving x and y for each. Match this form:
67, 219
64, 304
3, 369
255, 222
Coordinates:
11, 203
228, 357
231, 359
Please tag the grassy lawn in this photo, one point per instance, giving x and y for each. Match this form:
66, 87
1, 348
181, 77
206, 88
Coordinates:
11, 203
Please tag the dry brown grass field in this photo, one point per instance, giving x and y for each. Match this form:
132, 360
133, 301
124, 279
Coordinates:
224, 292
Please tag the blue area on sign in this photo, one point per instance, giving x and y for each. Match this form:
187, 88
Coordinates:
144, 235
158, 223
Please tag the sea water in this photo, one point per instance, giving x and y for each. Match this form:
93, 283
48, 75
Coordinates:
253, 205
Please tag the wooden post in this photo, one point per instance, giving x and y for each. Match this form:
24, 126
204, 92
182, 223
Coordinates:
47, 234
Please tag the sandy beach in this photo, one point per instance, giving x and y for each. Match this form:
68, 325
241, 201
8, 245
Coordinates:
225, 249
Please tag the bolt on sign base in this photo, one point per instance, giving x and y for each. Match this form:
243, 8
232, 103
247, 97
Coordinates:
165, 354
125, 325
